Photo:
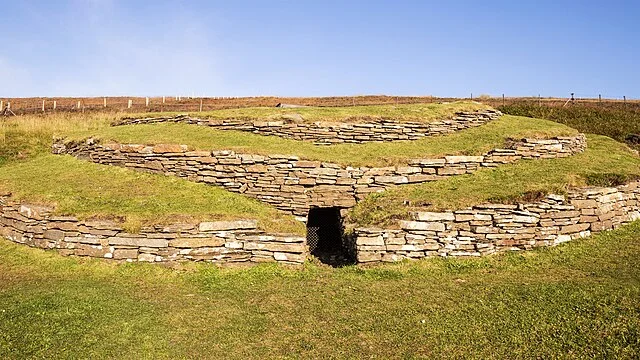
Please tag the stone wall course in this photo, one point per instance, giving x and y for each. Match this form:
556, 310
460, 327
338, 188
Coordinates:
218, 241
490, 228
329, 133
294, 185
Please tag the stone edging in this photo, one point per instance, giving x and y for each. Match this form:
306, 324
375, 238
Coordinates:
295, 185
328, 133
218, 241
486, 229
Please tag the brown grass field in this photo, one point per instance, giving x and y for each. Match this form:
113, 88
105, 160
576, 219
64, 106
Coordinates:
188, 104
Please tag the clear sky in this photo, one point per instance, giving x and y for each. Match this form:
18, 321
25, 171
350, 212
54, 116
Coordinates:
317, 48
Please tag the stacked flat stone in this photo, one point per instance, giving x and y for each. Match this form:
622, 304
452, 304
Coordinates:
475, 231
218, 241
490, 228
328, 133
295, 185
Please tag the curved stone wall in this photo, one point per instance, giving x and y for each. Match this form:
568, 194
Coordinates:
327, 133
295, 185
475, 231
219, 241
486, 229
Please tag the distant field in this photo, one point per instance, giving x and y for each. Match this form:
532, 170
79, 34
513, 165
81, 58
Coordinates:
193, 104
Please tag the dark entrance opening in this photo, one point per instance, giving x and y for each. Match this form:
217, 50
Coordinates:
325, 238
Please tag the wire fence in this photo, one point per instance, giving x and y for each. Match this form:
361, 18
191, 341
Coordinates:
198, 104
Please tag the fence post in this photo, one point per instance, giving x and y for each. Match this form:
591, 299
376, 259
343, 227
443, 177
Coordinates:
146, 101
1, 105
42, 105
163, 99
129, 104
78, 106
55, 104
200, 104
104, 102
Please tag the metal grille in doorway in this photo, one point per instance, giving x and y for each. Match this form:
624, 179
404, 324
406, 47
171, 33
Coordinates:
313, 237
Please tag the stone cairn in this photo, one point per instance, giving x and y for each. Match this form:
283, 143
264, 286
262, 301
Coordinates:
295, 185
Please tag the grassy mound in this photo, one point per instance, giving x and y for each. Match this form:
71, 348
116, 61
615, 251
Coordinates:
474, 141
604, 163
90, 190
402, 112
578, 300
617, 120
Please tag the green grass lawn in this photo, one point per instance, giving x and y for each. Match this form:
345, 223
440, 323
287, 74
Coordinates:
473, 141
90, 190
402, 112
578, 300
604, 163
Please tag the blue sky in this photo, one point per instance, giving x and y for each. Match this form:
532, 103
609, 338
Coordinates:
318, 48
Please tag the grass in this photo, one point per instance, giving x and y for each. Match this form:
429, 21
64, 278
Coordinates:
473, 141
578, 300
26, 136
605, 161
403, 112
90, 190
619, 121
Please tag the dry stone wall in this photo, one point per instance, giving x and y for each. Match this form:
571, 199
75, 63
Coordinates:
486, 229
218, 241
295, 185
327, 133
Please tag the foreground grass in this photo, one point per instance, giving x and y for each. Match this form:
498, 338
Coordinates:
579, 300
604, 163
473, 141
90, 190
